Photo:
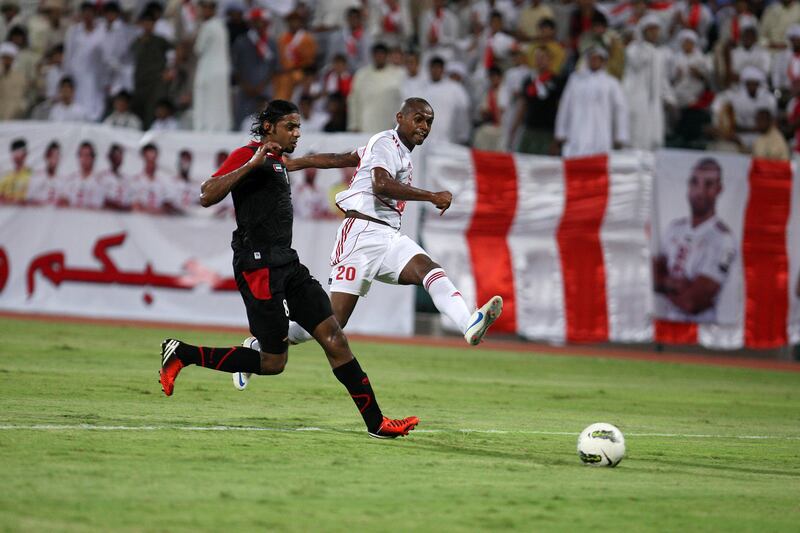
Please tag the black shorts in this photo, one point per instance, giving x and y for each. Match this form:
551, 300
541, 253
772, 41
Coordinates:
274, 295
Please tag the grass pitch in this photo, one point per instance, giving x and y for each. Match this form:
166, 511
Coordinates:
148, 465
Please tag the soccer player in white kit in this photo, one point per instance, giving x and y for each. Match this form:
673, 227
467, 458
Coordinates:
695, 253
369, 245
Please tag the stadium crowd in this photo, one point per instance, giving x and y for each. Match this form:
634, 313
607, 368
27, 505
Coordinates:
568, 78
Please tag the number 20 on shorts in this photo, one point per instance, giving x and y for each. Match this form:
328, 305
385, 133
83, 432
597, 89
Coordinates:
345, 273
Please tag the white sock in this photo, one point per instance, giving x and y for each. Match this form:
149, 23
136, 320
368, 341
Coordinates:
297, 334
447, 298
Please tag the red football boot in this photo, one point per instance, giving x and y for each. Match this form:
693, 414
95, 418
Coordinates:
170, 365
391, 429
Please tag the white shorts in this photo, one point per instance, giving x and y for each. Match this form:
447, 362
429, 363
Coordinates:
367, 251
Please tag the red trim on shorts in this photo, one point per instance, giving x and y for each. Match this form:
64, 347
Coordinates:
258, 282
343, 238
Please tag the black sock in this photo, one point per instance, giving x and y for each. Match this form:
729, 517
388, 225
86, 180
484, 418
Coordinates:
229, 359
357, 384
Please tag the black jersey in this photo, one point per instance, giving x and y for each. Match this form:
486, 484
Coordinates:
263, 203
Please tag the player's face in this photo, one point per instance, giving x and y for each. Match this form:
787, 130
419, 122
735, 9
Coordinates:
86, 159
115, 158
436, 71
18, 156
704, 187
52, 157
596, 62
415, 124
185, 162
150, 156
286, 132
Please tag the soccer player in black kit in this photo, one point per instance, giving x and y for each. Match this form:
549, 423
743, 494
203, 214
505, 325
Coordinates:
274, 285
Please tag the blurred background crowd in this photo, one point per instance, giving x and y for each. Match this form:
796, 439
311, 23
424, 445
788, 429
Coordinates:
570, 77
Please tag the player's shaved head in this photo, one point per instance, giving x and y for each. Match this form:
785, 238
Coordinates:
708, 165
415, 104
705, 185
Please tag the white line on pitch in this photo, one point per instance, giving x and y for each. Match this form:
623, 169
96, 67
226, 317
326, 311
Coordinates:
91, 427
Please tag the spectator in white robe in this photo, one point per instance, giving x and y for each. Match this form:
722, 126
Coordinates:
328, 14
117, 56
211, 98
690, 70
10, 16
416, 78
745, 102
481, 12
776, 20
375, 94
592, 116
352, 41
121, 115
693, 15
390, 21
438, 31
451, 106
749, 53
511, 92
646, 85
786, 64
83, 61
165, 117
65, 108
495, 46
313, 119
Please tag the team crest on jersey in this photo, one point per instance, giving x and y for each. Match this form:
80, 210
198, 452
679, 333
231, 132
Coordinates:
277, 167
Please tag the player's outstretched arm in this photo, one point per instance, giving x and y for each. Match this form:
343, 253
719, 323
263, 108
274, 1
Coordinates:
214, 189
384, 185
343, 160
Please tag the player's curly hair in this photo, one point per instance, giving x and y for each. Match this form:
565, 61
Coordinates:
275, 110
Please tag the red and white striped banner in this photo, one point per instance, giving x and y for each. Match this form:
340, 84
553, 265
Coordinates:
567, 245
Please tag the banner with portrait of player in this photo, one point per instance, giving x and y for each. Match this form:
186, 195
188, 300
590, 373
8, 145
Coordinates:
699, 206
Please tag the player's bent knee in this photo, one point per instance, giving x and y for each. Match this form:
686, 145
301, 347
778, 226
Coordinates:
336, 343
273, 364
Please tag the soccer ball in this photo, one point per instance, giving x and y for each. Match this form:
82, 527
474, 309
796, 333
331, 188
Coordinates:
601, 444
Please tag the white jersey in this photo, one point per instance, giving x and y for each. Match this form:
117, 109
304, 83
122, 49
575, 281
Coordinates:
117, 188
706, 250
384, 150
153, 193
87, 192
44, 189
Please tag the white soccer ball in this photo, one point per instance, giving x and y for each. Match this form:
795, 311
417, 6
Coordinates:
601, 444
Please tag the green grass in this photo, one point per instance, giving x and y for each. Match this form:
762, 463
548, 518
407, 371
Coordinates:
339, 479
